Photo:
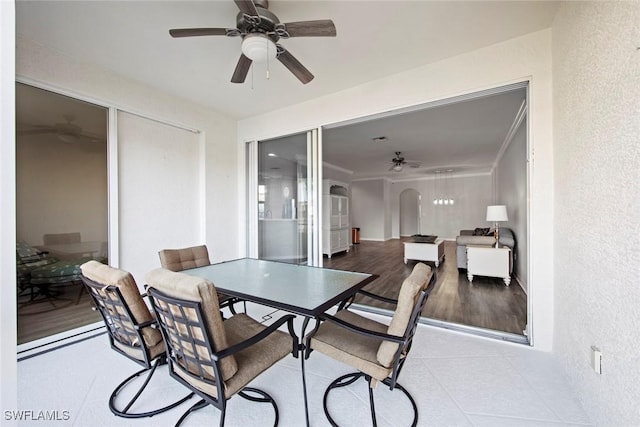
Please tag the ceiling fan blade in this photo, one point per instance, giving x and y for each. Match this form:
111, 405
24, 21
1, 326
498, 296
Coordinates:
242, 68
298, 70
247, 7
319, 28
192, 32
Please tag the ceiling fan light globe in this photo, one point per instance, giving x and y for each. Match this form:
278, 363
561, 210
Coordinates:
397, 168
259, 48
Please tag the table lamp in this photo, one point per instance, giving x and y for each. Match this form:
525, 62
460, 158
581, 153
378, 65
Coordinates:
495, 214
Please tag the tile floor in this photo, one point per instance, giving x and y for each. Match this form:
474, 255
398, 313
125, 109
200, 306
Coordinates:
456, 380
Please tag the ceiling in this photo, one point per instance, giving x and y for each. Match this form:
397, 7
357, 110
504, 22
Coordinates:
374, 39
461, 137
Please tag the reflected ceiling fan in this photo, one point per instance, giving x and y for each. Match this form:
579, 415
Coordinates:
261, 30
65, 132
398, 163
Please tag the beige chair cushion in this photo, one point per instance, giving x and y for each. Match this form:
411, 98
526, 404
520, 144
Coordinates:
251, 361
196, 289
353, 349
124, 281
407, 299
183, 259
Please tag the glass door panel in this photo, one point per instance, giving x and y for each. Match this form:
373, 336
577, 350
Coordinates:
283, 213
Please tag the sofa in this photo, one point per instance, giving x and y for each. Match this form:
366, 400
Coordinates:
483, 237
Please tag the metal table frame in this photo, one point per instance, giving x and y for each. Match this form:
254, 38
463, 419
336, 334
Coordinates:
299, 289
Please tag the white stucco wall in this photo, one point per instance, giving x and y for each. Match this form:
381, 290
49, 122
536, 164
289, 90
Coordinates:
522, 58
596, 68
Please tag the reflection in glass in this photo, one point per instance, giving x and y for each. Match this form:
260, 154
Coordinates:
282, 199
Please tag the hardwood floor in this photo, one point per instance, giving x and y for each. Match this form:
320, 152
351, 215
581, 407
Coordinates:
43, 319
485, 303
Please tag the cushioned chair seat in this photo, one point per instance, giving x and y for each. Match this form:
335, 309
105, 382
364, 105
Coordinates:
251, 361
356, 350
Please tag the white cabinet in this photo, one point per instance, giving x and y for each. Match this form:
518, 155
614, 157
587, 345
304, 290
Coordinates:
335, 219
488, 261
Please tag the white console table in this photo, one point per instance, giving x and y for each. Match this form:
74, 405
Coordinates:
425, 251
489, 261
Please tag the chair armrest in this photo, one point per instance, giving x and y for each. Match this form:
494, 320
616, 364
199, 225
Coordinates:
378, 297
258, 337
347, 302
358, 330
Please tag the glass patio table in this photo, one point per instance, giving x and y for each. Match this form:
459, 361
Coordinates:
300, 289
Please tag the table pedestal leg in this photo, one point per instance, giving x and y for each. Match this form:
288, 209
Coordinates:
301, 349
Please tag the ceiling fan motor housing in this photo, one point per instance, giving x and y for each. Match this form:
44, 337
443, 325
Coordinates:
265, 25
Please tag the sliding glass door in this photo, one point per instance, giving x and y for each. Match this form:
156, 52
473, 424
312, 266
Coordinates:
283, 201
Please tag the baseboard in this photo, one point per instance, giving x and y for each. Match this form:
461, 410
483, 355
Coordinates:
517, 279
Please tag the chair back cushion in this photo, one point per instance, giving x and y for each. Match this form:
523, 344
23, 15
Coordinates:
190, 288
407, 300
124, 281
183, 259
61, 238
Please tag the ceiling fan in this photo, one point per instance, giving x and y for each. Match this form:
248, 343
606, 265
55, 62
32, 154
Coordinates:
261, 30
65, 132
398, 163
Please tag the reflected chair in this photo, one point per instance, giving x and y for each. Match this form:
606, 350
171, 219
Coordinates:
192, 257
130, 329
214, 358
378, 351
38, 274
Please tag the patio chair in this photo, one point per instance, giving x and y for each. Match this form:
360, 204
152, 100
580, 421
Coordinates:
376, 350
130, 329
192, 257
214, 358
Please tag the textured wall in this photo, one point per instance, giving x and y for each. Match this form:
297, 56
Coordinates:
596, 70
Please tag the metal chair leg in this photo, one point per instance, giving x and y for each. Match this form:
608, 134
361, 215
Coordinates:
124, 413
349, 379
263, 397
198, 405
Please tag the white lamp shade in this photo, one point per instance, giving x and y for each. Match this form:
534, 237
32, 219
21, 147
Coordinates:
497, 213
259, 47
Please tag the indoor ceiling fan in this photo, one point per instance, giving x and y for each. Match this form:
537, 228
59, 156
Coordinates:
398, 163
65, 132
260, 31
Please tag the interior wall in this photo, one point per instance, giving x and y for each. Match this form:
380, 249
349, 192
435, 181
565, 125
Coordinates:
596, 68
368, 208
471, 195
409, 212
511, 191
523, 58
61, 188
